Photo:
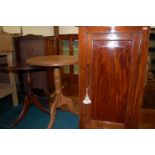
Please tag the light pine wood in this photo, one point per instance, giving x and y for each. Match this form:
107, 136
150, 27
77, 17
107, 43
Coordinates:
56, 61
10, 88
53, 60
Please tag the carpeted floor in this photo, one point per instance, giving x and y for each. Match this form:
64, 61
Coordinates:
34, 119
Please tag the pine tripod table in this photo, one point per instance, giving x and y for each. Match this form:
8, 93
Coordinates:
56, 62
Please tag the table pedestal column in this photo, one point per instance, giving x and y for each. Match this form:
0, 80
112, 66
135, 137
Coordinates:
60, 100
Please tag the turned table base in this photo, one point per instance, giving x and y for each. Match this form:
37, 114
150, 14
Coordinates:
60, 100
56, 62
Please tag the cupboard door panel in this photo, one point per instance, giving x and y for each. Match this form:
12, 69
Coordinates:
112, 69
110, 79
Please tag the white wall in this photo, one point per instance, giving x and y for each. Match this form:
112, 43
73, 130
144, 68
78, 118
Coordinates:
12, 29
68, 30
38, 30
41, 30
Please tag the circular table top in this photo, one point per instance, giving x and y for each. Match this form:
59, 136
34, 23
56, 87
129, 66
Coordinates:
52, 60
21, 67
24, 67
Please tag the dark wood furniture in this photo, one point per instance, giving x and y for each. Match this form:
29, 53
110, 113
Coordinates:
56, 62
149, 94
30, 46
152, 49
30, 97
112, 68
49, 45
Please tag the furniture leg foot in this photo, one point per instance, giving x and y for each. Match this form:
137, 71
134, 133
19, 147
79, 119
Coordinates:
52, 114
67, 101
38, 104
23, 112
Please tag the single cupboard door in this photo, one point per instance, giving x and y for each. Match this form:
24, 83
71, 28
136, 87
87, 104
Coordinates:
112, 63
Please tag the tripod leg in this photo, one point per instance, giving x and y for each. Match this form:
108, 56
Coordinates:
38, 104
68, 102
23, 112
52, 113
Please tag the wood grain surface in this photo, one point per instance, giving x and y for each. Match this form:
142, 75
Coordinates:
112, 65
53, 60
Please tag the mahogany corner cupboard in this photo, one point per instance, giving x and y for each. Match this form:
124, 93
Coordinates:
111, 78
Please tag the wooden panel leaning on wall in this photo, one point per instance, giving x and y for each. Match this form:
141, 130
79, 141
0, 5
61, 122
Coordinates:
112, 68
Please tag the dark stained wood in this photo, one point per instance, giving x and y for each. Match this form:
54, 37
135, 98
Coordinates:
104, 124
68, 36
56, 34
56, 30
17, 48
50, 45
26, 47
112, 66
18, 60
30, 97
147, 119
149, 94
